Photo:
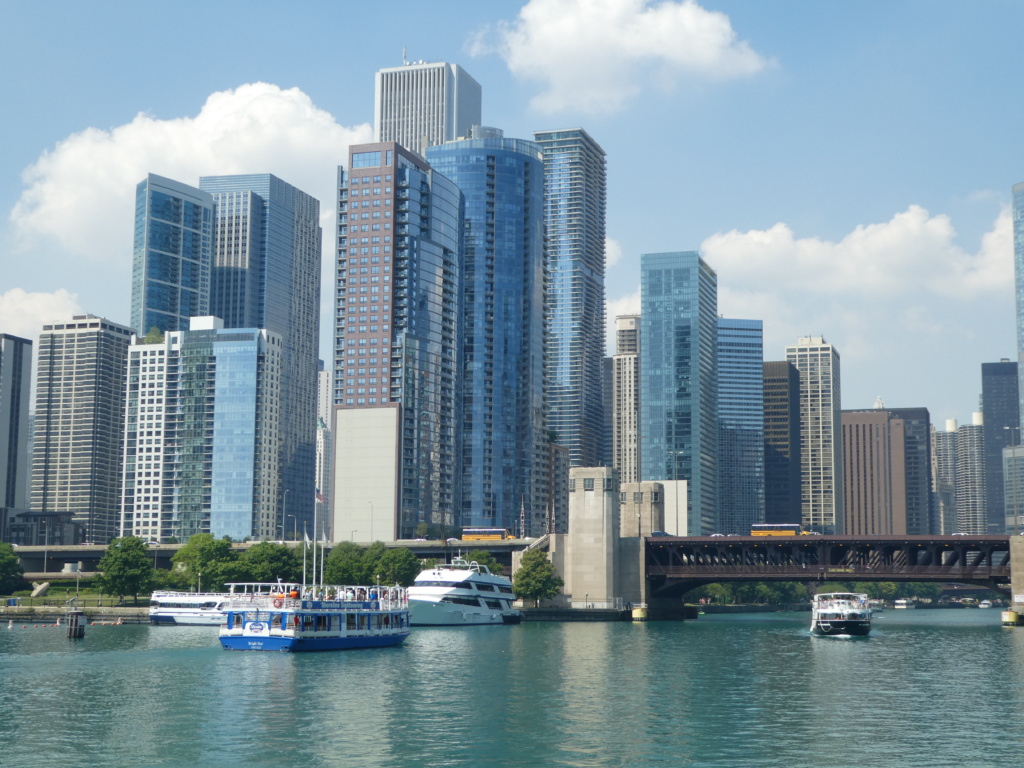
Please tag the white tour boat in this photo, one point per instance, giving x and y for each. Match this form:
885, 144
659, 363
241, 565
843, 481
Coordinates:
904, 603
461, 593
840, 613
204, 608
324, 618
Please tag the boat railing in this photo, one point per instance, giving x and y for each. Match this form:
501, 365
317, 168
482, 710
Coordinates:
352, 598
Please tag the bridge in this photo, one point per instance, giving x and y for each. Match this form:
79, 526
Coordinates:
675, 565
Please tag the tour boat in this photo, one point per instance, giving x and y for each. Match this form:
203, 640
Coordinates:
323, 618
461, 593
203, 608
904, 602
840, 613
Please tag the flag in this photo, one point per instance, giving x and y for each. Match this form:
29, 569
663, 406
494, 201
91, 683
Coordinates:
321, 498
305, 538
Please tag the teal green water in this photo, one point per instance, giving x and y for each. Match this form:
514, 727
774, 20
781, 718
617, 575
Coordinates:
928, 688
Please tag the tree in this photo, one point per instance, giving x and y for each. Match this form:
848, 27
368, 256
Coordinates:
483, 557
345, 564
10, 569
536, 578
204, 559
269, 562
154, 336
126, 568
398, 566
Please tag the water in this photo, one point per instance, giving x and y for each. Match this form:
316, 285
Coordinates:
928, 688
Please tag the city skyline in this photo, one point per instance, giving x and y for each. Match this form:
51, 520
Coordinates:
845, 175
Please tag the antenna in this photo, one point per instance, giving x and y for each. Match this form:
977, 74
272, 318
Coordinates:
405, 60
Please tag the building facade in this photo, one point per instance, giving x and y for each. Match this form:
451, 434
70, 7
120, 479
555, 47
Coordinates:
781, 443
15, 383
398, 346
740, 425
172, 257
821, 476
1000, 402
679, 381
626, 399
971, 488
201, 435
943, 446
1017, 209
504, 431
575, 192
421, 104
79, 426
266, 275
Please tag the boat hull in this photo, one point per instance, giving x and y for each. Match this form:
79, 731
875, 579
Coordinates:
299, 644
187, 621
427, 613
851, 627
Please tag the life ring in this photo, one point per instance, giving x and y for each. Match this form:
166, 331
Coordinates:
278, 602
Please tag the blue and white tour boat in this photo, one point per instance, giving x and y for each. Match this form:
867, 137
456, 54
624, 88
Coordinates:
323, 618
840, 613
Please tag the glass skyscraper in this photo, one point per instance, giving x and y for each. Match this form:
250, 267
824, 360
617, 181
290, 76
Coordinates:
679, 379
740, 425
503, 444
15, 383
1000, 402
201, 434
266, 274
398, 346
172, 255
1018, 270
575, 190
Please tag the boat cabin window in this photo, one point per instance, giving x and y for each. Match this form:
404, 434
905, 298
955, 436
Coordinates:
461, 600
485, 587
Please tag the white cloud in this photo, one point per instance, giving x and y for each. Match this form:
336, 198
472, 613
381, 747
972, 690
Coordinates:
24, 314
593, 55
81, 194
612, 252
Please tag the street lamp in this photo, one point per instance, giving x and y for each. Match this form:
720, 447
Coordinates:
371, 520
295, 527
353, 534
284, 511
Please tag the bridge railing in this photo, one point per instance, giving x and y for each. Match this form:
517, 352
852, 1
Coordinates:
842, 572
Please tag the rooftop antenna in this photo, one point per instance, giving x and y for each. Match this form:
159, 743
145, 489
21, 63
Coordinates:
405, 60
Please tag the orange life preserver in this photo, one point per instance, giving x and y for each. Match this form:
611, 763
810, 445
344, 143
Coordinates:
278, 602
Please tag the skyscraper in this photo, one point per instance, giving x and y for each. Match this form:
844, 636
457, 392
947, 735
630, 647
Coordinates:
172, 256
266, 275
575, 190
626, 399
398, 338
420, 104
15, 381
740, 425
201, 435
1000, 402
971, 491
679, 382
503, 420
79, 426
1018, 271
821, 441
917, 453
781, 443
944, 478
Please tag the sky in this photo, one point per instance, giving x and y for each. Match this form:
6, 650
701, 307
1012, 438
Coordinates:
845, 168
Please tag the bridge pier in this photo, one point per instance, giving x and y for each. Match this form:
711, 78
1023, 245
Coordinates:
1017, 574
669, 609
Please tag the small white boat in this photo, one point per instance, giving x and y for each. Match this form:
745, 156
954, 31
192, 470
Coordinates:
904, 603
461, 593
840, 613
985, 604
204, 608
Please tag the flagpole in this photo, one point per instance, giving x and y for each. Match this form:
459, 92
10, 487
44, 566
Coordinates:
314, 545
323, 554
305, 546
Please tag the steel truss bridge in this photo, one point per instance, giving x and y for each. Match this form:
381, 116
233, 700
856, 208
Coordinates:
675, 565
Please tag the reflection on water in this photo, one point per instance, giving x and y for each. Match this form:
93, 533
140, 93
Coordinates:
929, 687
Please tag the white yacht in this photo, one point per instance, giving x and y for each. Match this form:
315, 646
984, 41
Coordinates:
204, 608
461, 593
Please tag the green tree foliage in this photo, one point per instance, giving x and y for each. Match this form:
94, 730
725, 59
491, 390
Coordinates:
536, 578
398, 566
483, 557
348, 563
268, 561
205, 563
155, 336
127, 568
344, 564
10, 569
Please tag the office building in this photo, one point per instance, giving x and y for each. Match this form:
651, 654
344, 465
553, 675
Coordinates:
398, 347
821, 468
679, 381
266, 275
917, 450
15, 381
1000, 402
420, 104
324, 448
79, 427
781, 443
504, 431
626, 399
172, 256
740, 425
202, 436
575, 190
1013, 489
1017, 204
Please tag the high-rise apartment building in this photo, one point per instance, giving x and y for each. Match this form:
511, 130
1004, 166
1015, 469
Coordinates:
1017, 205
79, 426
420, 104
172, 256
821, 443
943, 446
398, 339
781, 443
15, 381
626, 398
740, 425
201, 434
917, 454
679, 381
324, 446
504, 433
971, 489
1000, 402
266, 275
575, 191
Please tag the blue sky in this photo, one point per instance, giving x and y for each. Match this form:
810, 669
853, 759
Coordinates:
845, 168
